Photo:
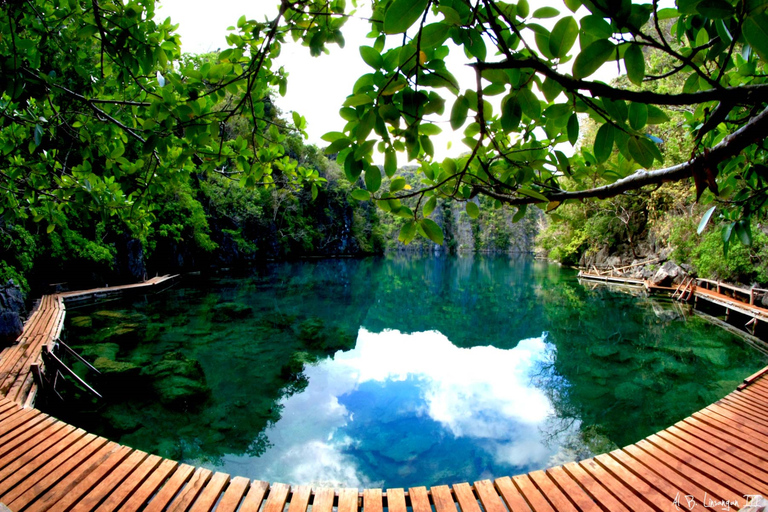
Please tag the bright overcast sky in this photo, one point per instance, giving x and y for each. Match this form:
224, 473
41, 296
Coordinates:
317, 86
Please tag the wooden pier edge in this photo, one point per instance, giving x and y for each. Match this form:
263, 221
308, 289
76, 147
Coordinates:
716, 459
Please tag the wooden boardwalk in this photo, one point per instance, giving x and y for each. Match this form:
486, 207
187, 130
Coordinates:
709, 460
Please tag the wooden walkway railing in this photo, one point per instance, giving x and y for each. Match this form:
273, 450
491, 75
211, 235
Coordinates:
713, 460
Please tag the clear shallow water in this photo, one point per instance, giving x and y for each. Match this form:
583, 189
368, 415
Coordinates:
397, 372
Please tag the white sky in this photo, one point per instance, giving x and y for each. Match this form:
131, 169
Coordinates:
318, 86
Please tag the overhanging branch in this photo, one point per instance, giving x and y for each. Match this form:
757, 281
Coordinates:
749, 94
731, 146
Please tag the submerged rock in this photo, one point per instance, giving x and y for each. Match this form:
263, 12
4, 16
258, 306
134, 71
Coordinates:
177, 380
81, 321
231, 311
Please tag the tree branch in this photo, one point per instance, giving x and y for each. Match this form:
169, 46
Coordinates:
751, 94
732, 145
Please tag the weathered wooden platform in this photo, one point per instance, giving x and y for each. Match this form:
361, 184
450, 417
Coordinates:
709, 460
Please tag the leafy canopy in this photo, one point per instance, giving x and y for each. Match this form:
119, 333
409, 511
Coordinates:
98, 107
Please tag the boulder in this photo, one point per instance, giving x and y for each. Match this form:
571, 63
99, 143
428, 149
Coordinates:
667, 275
11, 311
231, 311
178, 380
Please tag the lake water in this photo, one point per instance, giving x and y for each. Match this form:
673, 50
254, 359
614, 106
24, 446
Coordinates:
394, 372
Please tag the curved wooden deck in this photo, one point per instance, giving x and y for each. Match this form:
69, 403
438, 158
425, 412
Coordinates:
709, 460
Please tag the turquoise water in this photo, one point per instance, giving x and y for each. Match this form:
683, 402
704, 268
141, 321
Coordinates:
394, 372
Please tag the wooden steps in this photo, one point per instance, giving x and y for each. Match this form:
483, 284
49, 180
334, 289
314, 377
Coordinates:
709, 460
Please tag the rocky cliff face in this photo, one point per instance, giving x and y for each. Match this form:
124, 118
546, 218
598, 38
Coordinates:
11, 313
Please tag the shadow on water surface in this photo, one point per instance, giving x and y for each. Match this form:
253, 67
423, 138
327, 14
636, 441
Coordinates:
397, 371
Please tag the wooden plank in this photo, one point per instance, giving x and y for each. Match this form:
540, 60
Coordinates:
13, 429
278, 495
691, 473
735, 432
614, 486
511, 495
67, 469
751, 455
441, 495
372, 501
347, 500
657, 474
746, 411
26, 452
168, 490
489, 497
532, 496
299, 498
42, 460
106, 489
570, 488
419, 499
396, 500
631, 481
137, 497
552, 492
323, 501
191, 490
755, 406
39, 424
78, 483
233, 495
725, 460
211, 493
736, 481
465, 498
255, 496
596, 491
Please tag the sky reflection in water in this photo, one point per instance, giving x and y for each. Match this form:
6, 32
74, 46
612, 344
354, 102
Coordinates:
411, 409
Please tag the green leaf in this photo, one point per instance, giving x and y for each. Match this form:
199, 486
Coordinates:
592, 57
638, 115
744, 232
402, 14
360, 194
472, 210
640, 151
635, 64
429, 207
604, 142
407, 232
50, 228
434, 34
372, 179
691, 84
573, 5
715, 9
705, 220
459, 112
573, 129
756, 32
397, 184
563, 36
727, 233
37, 135
523, 8
357, 100
530, 104
371, 57
545, 12
520, 213
532, 193
432, 230
511, 113
390, 162
337, 146
656, 115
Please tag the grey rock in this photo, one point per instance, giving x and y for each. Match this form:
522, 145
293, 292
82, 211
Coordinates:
667, 274
11, 312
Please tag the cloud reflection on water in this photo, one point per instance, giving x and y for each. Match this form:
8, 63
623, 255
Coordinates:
419, 394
